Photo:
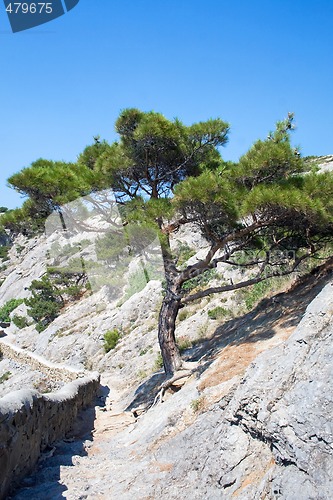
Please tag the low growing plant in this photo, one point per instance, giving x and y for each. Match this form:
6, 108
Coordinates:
158, 362
5, 377
111, 339
218, 312
198, 404
4, 249
184, 343
20, 321
256, 292
183, 314
6, 309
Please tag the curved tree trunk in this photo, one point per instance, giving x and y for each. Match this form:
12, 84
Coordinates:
166, 333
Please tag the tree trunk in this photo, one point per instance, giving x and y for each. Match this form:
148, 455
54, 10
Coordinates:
166, 333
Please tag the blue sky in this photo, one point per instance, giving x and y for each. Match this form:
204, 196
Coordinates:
248, 62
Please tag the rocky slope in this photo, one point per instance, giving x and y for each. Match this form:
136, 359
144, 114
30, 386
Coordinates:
253, 422
76, 337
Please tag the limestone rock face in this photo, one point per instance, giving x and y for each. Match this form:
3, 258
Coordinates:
325, 163
274, 439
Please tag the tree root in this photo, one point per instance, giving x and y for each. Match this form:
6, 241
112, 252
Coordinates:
185, 371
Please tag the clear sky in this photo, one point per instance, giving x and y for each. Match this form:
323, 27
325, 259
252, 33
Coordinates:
247, 62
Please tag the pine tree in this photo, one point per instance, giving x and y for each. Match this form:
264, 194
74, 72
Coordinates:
166, 174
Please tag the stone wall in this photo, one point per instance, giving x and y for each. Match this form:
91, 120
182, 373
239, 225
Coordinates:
30, 421
54, 371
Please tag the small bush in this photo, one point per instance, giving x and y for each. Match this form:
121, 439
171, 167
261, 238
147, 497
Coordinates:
5, 377
183, 314
184, 343
4, 252
144, 351
198, 404
256, 292
111, 339
141, 374
218, 312
20, 321
158, 362
45, 303
8, 308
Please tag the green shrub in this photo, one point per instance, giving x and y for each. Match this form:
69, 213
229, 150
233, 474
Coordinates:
51, 293
158, 362
198, 404
256, 292
218, 312
144, 351
20, 321
4, 249
111, 339
183, 314
8, 308
5, 377
44, 304
19, 249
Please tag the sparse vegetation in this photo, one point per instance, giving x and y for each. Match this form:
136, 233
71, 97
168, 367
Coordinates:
19, 249
4, 252
183, 314
200, 281
20, 321
202, 331
255, 293
158, 364
198, 404
142, 374
111, 339
184, 343
218, 312
138, 280
8, 308
5, 377
144, 351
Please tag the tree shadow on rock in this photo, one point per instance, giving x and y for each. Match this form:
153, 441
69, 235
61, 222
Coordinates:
282, 311
145, 394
